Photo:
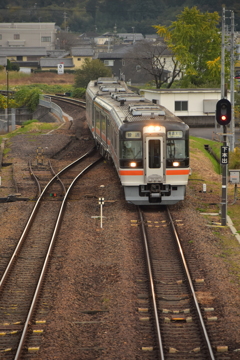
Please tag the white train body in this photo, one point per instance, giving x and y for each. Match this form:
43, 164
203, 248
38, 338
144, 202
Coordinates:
148, 144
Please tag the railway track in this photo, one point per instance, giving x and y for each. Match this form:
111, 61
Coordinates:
21, 282
168, 303
70, 101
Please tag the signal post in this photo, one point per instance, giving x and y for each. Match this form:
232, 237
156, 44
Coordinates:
223, 117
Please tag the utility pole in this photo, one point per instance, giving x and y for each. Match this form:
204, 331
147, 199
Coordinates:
232, 76
223, 55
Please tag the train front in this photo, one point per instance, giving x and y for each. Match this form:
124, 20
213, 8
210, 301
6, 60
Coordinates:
154, 161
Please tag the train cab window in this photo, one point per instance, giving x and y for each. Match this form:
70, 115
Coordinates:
176, 149
154, 159
131, 149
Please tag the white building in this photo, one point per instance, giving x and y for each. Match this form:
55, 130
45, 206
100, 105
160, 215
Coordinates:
28, 35
193, 106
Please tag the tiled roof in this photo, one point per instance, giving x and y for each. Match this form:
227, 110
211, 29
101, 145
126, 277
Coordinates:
79, 51
53, 62
23, 51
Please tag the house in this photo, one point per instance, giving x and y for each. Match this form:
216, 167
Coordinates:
130, 38
25, 57
193, 106
28, 35
53, 63
119, 60
79, 54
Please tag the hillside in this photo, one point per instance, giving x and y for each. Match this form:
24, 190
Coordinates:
102, 15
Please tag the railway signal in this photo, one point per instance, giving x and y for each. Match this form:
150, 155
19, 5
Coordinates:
223, 112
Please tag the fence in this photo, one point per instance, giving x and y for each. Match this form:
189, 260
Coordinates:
7, 121
45, 100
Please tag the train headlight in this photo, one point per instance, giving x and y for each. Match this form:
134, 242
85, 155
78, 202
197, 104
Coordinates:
133, 164
176, 163
153, 129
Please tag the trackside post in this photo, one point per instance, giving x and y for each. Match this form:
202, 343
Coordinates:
101, 203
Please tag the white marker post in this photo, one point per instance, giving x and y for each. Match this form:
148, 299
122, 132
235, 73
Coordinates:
101, 203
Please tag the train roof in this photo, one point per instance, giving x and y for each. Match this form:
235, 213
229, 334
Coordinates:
129, 106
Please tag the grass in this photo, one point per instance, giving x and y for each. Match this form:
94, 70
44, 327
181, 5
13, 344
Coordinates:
228, 246
199, 143
31, 127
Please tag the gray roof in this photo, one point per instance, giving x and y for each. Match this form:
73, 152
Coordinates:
57, 53
23, 51
117, 53
53, 62
121, 51
82, 51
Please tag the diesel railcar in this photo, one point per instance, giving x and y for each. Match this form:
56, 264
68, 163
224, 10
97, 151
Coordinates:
147, 143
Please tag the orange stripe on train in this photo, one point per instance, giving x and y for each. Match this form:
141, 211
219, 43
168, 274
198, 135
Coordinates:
131, 172
177, 172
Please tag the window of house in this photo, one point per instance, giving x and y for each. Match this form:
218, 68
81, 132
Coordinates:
46, 38
0, 36
16, 36
181, 105
123, 62
79, 59
19, 58
109, 62
138, 67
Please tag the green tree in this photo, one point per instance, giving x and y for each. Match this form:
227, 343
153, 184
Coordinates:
195, 40
91, 70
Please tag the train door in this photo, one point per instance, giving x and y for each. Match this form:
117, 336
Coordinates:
154, 166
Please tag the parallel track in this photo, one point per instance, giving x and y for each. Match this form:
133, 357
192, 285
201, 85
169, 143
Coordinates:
22, 280
180, 329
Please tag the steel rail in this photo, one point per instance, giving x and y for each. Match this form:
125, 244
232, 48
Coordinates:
153, 292
58, 178
35, 178
68, 100
32, 216
46, 262
192, 288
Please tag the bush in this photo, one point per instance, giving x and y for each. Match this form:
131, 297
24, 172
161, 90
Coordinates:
79, 93
234, 159
28, 97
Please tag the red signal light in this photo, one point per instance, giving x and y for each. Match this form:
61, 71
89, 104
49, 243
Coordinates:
223, 112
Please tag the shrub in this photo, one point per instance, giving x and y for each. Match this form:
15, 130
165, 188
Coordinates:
79, 93
234, 162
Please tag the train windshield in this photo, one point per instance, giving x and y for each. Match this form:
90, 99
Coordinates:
176, 149
131, 149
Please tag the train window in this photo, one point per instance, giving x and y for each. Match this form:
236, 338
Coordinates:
175, 134
131, 149
154, 154
103, 125
97, 117
176, 149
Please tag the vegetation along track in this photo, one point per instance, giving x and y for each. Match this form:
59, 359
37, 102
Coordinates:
184, 329
21, 281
